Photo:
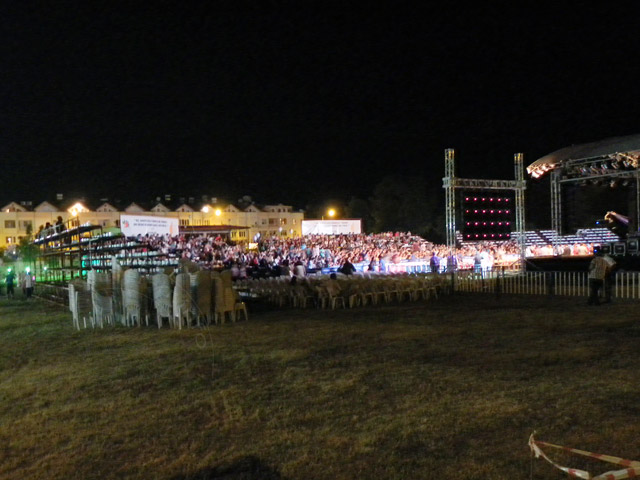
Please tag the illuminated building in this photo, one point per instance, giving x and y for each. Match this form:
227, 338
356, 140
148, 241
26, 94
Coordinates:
17, 219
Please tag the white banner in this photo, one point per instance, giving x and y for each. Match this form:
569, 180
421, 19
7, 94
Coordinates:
133, 225
330, 227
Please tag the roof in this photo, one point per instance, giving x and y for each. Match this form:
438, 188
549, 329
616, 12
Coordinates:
610, 146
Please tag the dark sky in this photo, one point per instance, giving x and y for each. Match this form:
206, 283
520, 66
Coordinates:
299, 101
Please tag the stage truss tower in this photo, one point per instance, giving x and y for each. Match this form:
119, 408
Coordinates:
451, 183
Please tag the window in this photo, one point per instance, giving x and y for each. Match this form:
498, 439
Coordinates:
26, 224
9, 239
273, 221
9, 224
184, 222
283, 221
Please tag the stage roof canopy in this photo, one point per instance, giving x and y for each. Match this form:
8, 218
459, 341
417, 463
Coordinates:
628, 146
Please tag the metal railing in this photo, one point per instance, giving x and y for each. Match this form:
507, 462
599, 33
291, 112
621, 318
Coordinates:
54, 293
624, 284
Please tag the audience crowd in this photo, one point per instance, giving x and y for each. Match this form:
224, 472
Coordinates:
384, 252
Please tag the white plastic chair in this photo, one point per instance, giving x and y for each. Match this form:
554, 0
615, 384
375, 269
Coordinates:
182, 300
162, 297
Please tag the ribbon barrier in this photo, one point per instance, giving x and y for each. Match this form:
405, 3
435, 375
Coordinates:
631, 470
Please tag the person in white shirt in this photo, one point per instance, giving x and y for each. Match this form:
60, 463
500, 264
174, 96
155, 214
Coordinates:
299, 270
28, 284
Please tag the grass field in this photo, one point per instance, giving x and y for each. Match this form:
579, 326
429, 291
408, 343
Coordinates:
450, 389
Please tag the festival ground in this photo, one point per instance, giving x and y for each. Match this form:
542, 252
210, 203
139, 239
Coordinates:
447, 389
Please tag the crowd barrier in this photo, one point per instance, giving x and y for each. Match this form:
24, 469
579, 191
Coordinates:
625, 285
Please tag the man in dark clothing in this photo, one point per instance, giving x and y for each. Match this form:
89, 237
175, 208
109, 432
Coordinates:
347, 268
9, 280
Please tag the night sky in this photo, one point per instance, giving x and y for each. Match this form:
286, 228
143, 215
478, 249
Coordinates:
299, 101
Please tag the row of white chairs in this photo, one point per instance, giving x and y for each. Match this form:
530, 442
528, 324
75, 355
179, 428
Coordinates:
126, 297
345, 291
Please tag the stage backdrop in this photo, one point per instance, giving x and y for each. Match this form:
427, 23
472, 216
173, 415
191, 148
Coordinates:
330, 227
133, 225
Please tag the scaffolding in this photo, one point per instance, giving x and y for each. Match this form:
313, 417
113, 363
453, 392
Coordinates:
451, 183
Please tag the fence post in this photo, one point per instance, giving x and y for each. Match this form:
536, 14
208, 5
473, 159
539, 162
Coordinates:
551, 284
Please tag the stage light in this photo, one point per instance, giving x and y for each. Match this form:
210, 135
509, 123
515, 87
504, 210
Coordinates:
218, 212
331, 212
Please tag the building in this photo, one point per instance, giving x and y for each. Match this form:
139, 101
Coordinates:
20, 219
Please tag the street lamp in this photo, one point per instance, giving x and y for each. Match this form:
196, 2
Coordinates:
331, 212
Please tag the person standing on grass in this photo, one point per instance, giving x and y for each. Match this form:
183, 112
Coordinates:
609, 277
9, 281
597, 274
28, 285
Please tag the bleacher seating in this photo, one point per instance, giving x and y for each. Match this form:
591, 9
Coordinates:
550, 237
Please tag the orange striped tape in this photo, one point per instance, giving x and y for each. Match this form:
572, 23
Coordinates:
631, 470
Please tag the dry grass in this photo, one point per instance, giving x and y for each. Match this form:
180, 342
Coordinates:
449, 389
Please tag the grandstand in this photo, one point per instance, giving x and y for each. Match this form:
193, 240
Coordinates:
593, 236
